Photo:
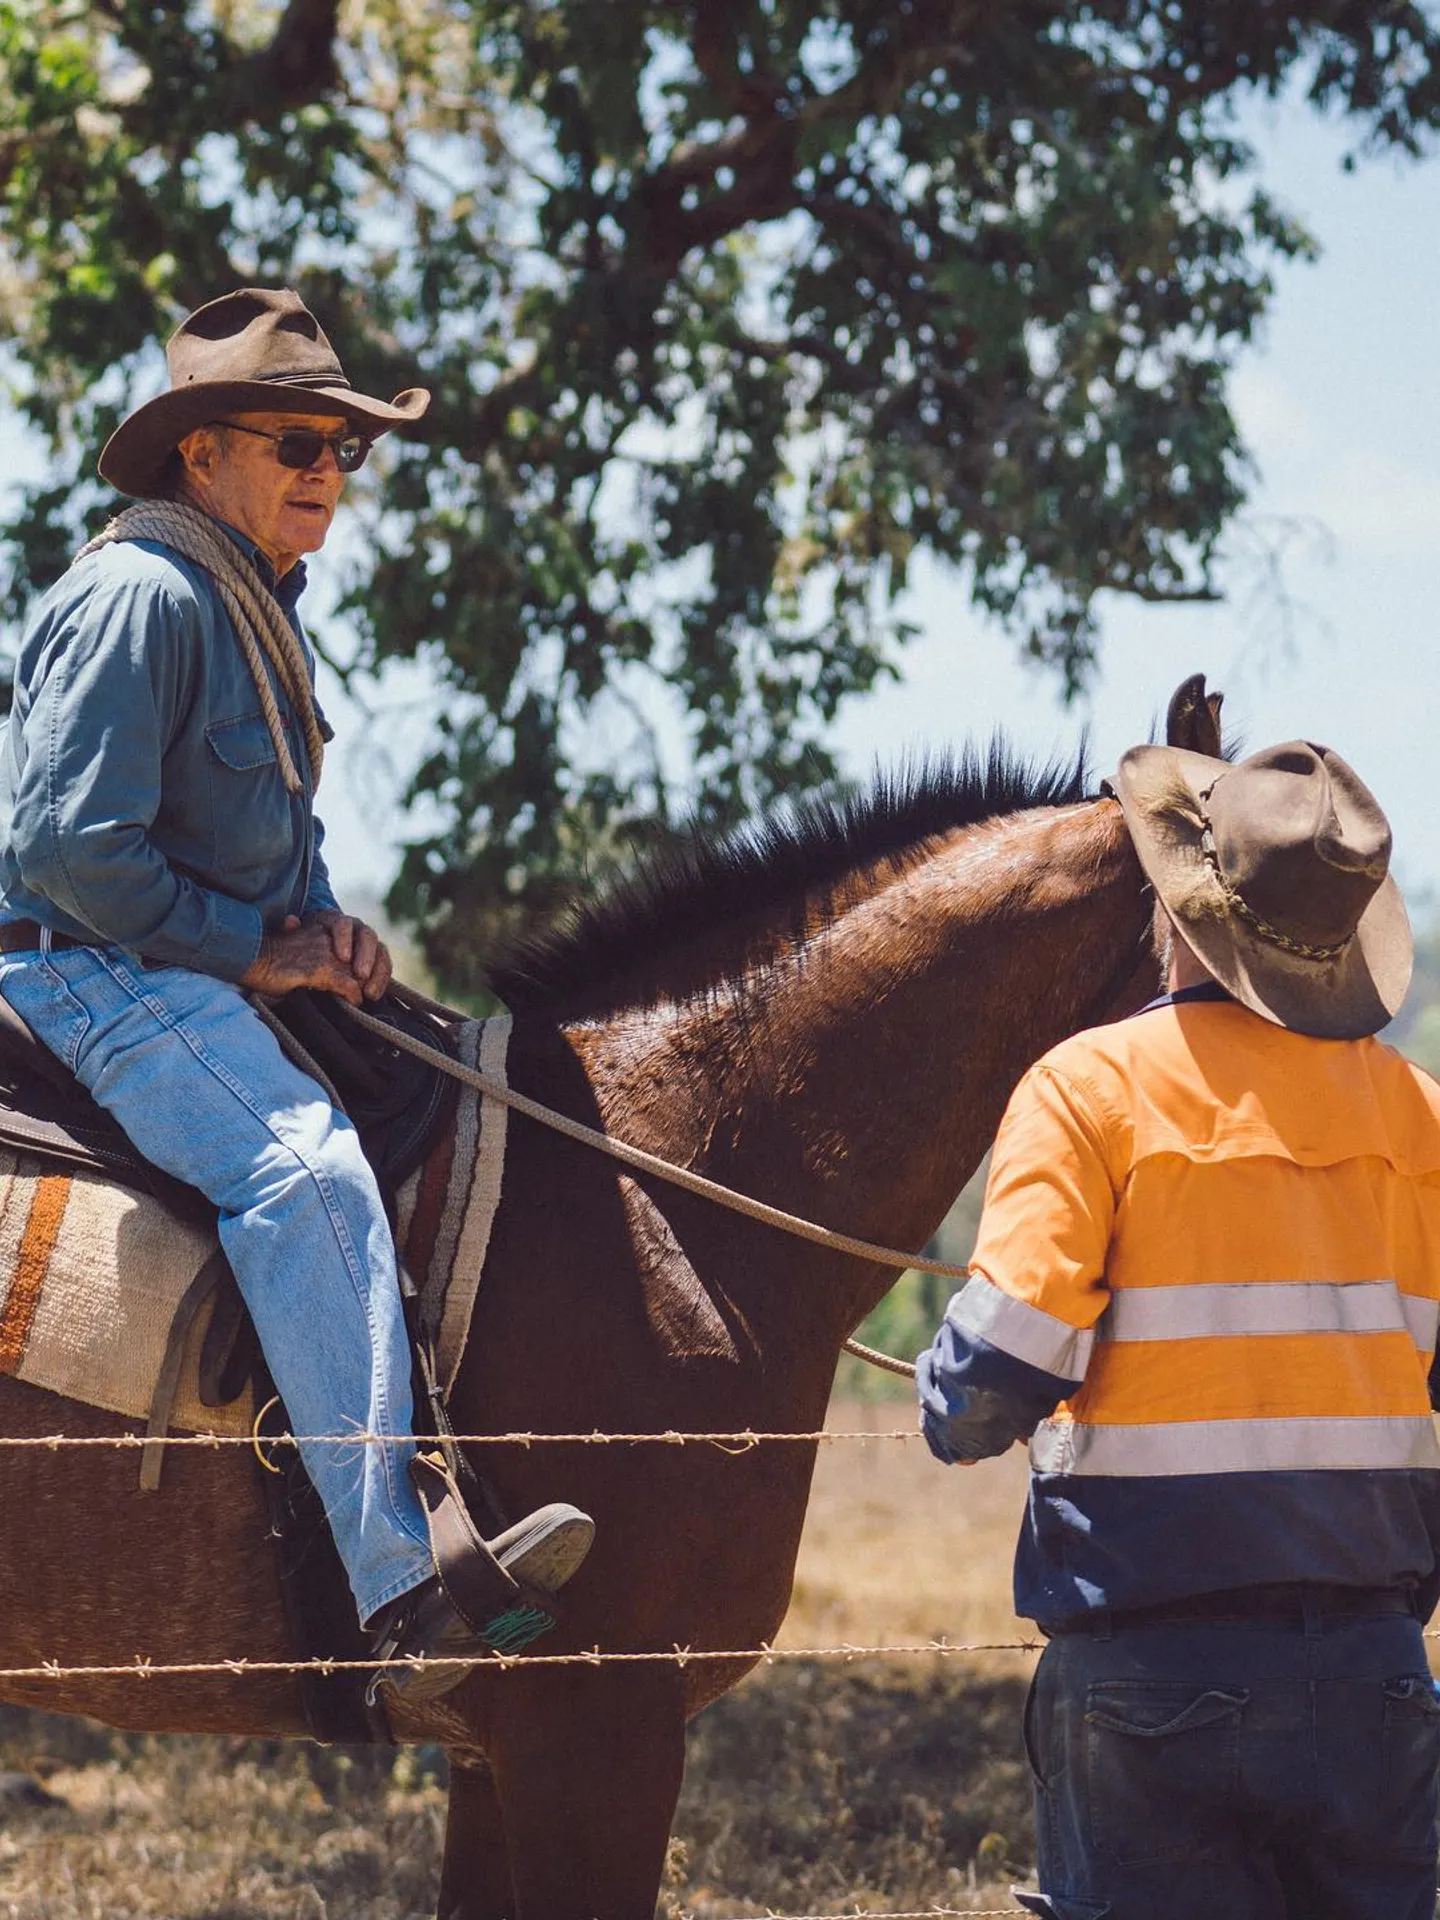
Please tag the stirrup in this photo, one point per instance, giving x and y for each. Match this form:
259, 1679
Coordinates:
494, 1596
531, 1560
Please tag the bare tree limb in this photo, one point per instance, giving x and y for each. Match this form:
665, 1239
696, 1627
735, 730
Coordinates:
299, 63
760, 154
1169, 596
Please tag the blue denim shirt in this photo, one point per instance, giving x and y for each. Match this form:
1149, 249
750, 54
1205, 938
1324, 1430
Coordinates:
141, 803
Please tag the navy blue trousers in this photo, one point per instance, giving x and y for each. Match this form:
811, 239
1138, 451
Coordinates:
1236, 1771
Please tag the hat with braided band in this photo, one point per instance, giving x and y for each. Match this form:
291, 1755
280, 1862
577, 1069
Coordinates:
257, 350
1276, 871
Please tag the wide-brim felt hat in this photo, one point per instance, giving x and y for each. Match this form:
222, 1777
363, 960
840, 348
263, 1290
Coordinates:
1275, 871
257, 350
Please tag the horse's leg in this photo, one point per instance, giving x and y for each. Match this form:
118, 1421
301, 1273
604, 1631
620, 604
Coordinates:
587, 1767
475, 1875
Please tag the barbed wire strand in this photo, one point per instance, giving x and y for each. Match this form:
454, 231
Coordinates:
143, 1668
742, 1440
874, 1913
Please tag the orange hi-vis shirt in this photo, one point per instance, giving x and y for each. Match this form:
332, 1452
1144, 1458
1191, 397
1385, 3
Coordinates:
1210, 1259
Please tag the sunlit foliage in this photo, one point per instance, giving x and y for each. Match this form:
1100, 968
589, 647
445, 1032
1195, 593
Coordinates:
729, 310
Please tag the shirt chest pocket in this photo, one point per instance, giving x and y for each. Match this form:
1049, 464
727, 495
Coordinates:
251, 814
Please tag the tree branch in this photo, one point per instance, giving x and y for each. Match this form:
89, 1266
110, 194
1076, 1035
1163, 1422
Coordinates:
763, 190
1167, 596
715, 46
296, 67
761, 152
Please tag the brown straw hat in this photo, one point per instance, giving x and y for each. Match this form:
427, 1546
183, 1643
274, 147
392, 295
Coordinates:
1276, 872
260, 350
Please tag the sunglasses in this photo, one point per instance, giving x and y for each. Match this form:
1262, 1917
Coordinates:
302, 447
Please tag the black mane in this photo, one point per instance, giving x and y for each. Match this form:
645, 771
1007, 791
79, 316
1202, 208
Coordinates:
795, 858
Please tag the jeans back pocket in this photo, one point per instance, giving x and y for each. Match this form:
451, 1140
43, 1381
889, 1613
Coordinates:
1411, 1762
1163, 1767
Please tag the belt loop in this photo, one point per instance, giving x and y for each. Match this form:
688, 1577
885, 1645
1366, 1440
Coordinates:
1311, 1613
46, 936
1102, 1626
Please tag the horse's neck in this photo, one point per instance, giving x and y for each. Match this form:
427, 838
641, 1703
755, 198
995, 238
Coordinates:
858, 1078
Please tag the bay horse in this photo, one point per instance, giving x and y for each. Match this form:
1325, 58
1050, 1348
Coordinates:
828, 1015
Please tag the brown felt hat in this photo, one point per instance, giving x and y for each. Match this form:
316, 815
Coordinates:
1276, 872
258, 350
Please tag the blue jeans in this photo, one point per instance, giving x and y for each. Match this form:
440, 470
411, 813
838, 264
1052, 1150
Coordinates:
1254, 1772
200, 1085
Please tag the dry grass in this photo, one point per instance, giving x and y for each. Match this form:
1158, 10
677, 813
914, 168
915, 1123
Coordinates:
887, 1783
878, 1790
813, 1787
206, 1829
898, 1547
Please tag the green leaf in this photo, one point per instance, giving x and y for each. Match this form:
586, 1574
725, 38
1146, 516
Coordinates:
728, 314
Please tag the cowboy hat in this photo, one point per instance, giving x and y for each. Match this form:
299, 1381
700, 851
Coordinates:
258, 349
1275, 871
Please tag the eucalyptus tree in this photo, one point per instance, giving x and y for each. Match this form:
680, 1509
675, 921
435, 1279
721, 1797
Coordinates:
730, 309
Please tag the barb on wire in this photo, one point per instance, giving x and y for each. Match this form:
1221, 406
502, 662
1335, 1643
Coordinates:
734, 1443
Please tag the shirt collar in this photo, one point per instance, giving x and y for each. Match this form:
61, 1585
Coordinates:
1202, 990
286, 591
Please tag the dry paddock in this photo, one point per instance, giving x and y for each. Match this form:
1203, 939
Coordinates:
820, 1786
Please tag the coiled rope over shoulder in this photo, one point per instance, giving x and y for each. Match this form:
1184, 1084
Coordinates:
260, 622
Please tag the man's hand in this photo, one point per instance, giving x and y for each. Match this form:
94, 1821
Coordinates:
359, 948
328, 951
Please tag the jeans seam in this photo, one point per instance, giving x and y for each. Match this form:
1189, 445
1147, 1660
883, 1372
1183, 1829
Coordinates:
203, 1055
62, 986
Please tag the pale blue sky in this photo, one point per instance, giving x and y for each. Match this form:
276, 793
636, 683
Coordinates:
1340, 402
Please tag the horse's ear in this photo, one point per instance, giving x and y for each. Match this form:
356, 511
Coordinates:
1192, 719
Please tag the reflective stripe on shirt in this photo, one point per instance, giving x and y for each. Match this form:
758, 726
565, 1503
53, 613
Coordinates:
1198, 1311
1234, 1446
1024, 1332
1249, 1220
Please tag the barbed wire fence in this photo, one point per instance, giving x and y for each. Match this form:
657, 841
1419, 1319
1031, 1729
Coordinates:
736, 1443
739, 1442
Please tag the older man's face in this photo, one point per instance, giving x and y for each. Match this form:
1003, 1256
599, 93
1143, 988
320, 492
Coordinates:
237, 477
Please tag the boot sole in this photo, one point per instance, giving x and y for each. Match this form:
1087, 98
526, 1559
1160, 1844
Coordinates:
547, 1547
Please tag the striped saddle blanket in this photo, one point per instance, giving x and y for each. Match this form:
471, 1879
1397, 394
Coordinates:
92, 1273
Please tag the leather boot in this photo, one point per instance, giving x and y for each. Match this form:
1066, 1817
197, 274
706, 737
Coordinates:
485, 1596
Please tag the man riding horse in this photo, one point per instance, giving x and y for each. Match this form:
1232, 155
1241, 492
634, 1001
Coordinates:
160, 859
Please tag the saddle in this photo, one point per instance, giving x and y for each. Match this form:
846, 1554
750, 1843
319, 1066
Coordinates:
398, 1104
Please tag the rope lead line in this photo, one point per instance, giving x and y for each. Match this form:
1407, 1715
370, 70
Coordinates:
651, 1163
